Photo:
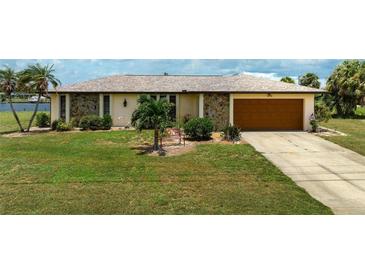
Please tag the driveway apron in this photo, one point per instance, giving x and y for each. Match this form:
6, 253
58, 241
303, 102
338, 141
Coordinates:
328, 172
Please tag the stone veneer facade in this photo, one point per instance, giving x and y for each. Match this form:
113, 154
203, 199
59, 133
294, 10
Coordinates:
82, 104
216, 107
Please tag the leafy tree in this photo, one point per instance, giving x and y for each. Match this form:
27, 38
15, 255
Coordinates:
360, 91
2, 97
346, 87
37, 78
8, 84
309, 80
153, 114
322, 112
287, 79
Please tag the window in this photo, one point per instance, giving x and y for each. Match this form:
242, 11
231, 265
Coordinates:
63, 107
173, 108
154, 97
163, 97
106, 104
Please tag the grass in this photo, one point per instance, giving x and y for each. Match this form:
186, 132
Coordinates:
8, 123
99, 173
355, 130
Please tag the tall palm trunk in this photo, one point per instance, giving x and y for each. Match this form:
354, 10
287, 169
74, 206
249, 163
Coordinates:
15, 114
35, 112
155, 140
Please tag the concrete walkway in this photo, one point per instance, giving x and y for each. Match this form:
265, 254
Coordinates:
331, 174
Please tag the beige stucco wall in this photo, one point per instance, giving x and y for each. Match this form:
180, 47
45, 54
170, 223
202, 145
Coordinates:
308, 103
54, 107
122, 115
187, 104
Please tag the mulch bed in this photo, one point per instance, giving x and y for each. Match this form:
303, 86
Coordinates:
175, 144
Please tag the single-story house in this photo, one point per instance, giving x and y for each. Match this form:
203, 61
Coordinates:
249, 102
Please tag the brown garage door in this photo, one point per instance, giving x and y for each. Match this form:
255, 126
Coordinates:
268, 114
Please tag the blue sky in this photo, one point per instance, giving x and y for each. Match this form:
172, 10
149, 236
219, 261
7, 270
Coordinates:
74, 70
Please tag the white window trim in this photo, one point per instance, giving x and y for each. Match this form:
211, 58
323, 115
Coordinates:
111, 105
158, 97
177, 107
67, 106
201, 105
58, 106
231, 108
101, 104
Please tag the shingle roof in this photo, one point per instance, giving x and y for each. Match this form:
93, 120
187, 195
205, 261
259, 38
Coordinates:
182, 83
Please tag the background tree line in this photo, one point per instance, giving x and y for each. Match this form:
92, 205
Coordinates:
345, 89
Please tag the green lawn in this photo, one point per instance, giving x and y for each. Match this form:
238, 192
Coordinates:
99, 173
8, 123
355, 130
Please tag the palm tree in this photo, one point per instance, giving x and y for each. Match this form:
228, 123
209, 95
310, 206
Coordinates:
346, 87
309, 80
360, 91
287, 79
37, 77
152, 114
8, 84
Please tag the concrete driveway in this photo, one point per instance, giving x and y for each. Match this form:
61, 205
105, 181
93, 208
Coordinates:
331, 174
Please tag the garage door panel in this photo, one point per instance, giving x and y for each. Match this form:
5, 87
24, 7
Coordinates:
268, 114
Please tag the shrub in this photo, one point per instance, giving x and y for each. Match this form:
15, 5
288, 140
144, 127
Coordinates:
232, 133
322, 112
2, 97
360, 111
55, 123
314, 124
43, 119
74, 122
199, 128
186, 118
107, 121
95, 123
62, 126
92, 122
84, 123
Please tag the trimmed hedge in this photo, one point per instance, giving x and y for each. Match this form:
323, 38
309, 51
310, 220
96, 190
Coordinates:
95, 122
74, 122
43, 119
199, 128
92, 122
107, 121
62, 126
55, 123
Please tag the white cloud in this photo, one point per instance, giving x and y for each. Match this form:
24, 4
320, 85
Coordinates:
73, 70
269, 75
276, 77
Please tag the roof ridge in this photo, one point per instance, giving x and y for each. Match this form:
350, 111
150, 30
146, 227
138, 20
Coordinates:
189, 75
177, 83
